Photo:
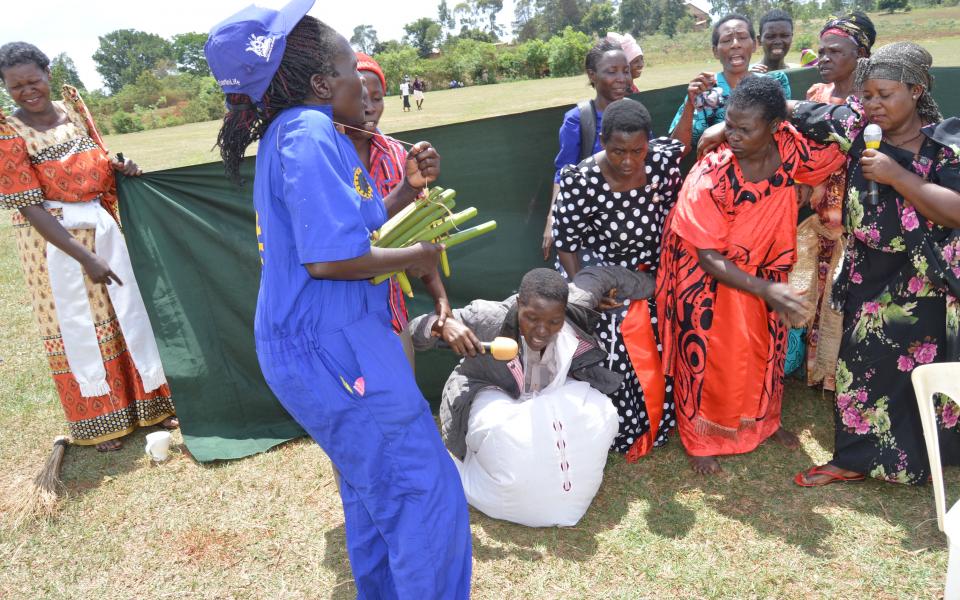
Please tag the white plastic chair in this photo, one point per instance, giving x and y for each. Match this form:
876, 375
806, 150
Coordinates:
940, 378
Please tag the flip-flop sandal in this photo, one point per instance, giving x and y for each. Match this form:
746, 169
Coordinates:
164, 424
833, 477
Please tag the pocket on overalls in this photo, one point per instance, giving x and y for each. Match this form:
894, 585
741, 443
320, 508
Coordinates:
387, 384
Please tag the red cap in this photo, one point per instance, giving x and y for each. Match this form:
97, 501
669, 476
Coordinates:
366, 63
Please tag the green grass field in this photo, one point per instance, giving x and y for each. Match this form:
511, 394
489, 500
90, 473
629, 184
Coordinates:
271, 526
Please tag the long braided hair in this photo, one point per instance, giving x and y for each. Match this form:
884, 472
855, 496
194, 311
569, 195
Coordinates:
310, 50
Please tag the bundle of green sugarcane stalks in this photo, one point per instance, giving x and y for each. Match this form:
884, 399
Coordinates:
428, 219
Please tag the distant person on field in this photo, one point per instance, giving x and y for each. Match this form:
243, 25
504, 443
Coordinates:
609, 74
385, 159
58, 179
634, 54
405, 94
775, 38
418, 88
734, 41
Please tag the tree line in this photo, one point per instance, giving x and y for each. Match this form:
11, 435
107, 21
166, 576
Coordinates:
151, 81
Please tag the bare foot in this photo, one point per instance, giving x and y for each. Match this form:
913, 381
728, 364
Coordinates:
787, 439
705, 465
170, 423
109, 446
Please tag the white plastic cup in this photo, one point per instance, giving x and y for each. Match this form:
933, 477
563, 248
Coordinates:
158, 445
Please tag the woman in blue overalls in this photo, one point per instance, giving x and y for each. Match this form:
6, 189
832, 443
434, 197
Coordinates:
322, 330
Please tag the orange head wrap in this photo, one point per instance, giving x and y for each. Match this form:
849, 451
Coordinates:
366, 63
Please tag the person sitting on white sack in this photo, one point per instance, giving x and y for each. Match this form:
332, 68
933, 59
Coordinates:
531, 434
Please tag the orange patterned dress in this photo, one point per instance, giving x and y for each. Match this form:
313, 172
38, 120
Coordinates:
69, 164
724, 348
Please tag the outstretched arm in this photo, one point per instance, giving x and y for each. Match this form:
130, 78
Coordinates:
592, 286
778, 296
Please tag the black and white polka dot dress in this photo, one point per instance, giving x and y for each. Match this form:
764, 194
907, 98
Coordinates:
621, 228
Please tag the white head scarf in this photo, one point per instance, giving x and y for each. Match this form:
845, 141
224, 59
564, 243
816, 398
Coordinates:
630, 46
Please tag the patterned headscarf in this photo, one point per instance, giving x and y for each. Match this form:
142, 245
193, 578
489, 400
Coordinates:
908, 63
856, 26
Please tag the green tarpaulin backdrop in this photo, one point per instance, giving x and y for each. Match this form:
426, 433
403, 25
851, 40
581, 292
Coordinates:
192, 239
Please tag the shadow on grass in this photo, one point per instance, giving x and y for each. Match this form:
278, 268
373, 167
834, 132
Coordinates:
335, 558
754, 496
757, 490
85, 469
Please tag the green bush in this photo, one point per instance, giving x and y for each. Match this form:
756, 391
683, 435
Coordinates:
102, 125
172, 121
124, 122
511, 64
207, 104
567, 52
474, 61
396, 64
805, 40
536, 56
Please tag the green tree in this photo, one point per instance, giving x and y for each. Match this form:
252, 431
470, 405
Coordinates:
364, 38
63, 71
423, 34
388, 46
536, 58
671, 13
559, 14
487, 11
397, 63
599, 18
445, 16
472, 60
207, 105
125, 53
567, 52
635, 16
188, 52
892, 6
527, 21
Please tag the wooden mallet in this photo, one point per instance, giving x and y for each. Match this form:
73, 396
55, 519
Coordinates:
501, 348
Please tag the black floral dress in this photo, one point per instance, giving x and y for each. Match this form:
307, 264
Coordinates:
621, 228
898, 311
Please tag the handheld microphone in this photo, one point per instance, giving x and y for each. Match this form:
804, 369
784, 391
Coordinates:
872, 136
501, 348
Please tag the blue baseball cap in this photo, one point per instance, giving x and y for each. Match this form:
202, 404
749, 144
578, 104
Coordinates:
244, 50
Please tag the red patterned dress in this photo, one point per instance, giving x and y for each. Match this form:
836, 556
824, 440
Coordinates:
387, 159
724, 347
824, 332
69, 164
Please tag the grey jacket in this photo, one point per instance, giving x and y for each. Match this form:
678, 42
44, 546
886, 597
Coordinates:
489, 320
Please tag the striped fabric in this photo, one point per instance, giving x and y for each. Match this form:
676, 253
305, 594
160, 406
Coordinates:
387, 157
